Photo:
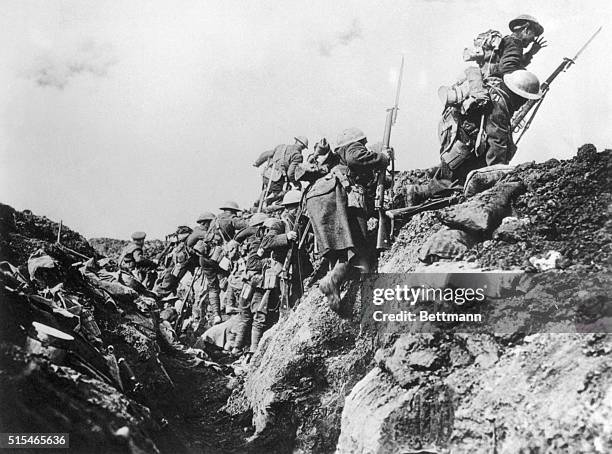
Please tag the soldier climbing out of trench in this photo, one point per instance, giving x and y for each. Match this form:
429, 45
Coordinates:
279, 171
339, 204
475, 127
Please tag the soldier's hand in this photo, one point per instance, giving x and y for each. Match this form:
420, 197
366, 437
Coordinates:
538, 44
292, 235
390, 153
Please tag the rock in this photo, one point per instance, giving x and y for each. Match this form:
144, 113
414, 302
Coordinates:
587, 150
381, 417
549, 261
312, 346
512, 229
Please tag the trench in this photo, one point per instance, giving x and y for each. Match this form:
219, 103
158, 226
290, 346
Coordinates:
192, 407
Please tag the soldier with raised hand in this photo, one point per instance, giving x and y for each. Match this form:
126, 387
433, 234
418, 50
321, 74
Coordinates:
526, 30
495, 57
281, 164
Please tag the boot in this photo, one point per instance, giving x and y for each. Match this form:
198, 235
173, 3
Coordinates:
331, 283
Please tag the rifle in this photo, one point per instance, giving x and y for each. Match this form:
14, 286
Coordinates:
265, 191
286, 272
435, 204
534, 104
382, 237
179, 319
58, 243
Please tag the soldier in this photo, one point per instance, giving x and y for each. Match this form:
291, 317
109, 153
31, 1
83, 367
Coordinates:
134, 248
142, 268
281, 163
297, 265
265, 302
495, 56
228, 222
526, 30
251, 237
177, 261
203, 243
460, 153
339, 204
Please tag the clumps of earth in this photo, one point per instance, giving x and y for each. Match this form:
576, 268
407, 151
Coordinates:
322, 383
566, 208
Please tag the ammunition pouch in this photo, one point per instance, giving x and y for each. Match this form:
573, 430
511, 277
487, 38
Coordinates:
246, 293
271, 275
448, 128
458, 153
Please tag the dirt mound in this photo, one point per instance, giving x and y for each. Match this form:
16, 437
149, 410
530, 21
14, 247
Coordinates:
297, 381
22, 232
166, 402
567, 205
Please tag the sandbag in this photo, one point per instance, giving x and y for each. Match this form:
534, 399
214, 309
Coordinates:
479, 180
484, 212
446, 244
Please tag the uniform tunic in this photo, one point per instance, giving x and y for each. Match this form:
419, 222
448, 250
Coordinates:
508, 58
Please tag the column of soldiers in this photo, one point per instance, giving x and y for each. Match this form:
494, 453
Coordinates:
321, 210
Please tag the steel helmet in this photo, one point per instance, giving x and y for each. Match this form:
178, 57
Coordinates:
206, 216
275, 224
303, 140
257, 219
291, 197
181, 229
523, 83
230, 205
517, 21
350, 135
138, 236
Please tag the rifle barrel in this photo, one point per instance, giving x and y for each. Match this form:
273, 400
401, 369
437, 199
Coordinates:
587, 43
399, 86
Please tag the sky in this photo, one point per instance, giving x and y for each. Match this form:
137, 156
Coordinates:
120, 116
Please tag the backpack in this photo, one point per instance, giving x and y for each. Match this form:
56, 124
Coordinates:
486, 44
274, 171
